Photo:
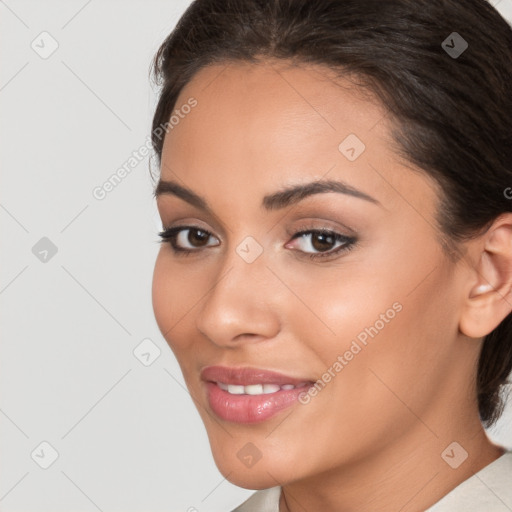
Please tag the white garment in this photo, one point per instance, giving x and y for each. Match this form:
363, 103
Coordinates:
488, 490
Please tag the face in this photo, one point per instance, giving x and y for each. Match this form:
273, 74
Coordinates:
363, 302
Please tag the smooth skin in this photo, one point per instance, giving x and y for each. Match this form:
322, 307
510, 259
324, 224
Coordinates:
372, 439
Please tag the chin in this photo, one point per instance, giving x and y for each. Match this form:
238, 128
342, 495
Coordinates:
261, 475
251, 479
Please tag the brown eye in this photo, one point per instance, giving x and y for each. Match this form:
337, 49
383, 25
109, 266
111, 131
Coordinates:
186, 239
196, 237
323, 242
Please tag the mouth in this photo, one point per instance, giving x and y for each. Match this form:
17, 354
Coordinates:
257, 389
250, 395
247, 377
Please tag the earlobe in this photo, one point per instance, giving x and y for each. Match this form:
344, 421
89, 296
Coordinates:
489, 299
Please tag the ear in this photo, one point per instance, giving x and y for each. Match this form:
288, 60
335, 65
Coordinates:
489, 299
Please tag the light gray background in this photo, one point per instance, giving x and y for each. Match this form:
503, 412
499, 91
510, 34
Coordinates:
128, 436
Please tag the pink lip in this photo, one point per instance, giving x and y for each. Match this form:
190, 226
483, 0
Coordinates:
246, 376
249, 408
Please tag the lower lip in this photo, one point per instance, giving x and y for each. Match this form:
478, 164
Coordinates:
250, 408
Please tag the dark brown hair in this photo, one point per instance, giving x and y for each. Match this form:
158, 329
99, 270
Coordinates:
452, 114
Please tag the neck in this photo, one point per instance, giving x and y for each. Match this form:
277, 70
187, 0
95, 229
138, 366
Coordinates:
409, 476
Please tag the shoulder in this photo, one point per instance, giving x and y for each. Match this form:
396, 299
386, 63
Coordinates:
489, 489
266, 500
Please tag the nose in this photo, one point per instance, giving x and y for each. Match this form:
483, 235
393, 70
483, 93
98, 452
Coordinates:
240, 306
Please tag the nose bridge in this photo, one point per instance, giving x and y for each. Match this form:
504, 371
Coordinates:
243, 265
240, 299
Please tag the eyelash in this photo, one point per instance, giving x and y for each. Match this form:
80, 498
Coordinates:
168, 235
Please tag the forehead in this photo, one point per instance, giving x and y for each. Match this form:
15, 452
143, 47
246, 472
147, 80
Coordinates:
275, 103
259, 126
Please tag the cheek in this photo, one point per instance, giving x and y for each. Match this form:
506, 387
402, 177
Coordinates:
332, 307
161, 297
388, 315
171, 298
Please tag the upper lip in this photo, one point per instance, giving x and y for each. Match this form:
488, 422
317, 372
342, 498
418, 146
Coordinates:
246, 376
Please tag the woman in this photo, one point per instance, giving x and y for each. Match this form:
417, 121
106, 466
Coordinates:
336, 274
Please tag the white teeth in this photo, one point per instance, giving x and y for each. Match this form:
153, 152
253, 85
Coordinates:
270, 388
235, 389
253, 389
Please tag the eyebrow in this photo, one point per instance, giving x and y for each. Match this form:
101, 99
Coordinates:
275, 201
